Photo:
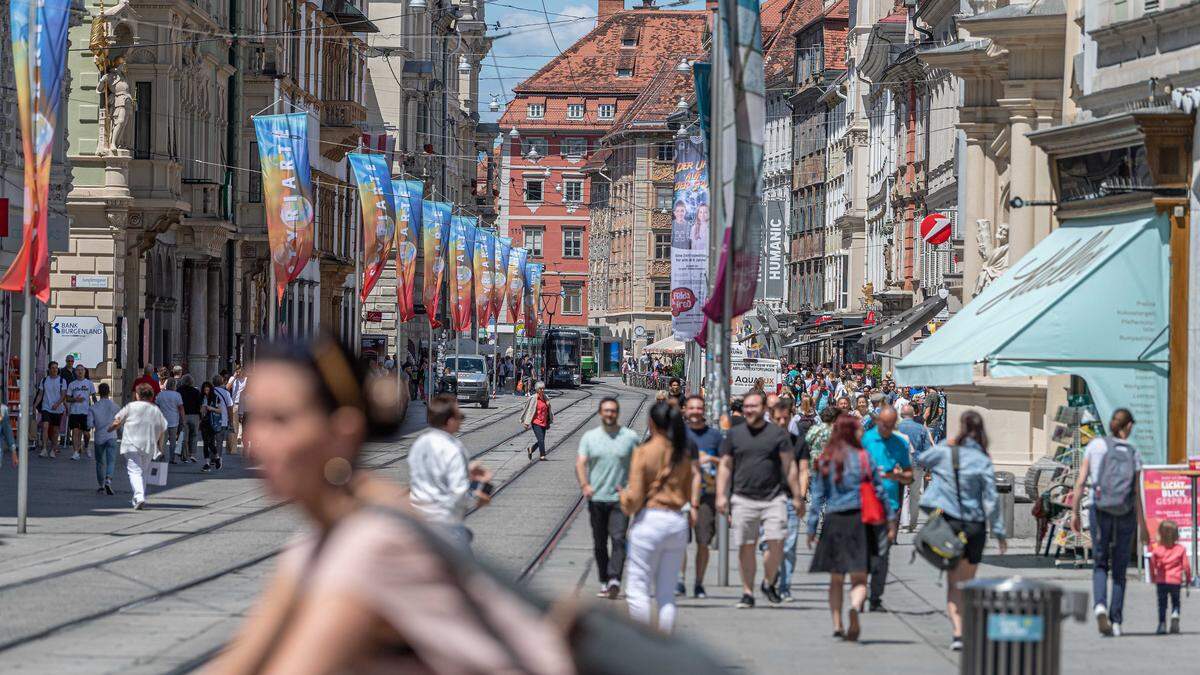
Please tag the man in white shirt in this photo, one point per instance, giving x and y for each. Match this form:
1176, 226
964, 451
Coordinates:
142, 425
79, 400
225, 436
100, 417
442, 480
51, 403
170, 404
236, 385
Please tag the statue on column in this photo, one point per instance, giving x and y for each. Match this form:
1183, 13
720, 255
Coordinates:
118, 109
993, 249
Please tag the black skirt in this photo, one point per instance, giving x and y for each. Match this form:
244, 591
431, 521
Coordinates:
976, 534
844, 545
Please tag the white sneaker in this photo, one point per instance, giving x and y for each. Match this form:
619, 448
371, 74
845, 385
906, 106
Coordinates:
1174, 621
43, 453
1102, 621
1116, 629
75, 457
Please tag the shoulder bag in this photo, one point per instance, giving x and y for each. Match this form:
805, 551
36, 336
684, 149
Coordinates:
937, 541
871, 505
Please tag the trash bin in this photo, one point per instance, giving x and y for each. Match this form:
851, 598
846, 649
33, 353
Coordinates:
1013, 626
1005, 482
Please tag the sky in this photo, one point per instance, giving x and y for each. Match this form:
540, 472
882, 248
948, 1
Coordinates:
536, 38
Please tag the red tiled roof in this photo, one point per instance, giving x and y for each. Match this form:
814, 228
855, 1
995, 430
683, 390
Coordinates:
660, 98
779, 50
771, 14
839, 11
555, 116
590, 65
898, 16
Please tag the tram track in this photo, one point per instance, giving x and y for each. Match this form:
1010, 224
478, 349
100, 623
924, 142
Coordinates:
175, 589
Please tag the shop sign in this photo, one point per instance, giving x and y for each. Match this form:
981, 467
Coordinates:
374, 316
89, 281
746, 371
79, 336
1168, 496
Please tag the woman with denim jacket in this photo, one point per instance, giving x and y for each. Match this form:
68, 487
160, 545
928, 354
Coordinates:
969, 508
846, 543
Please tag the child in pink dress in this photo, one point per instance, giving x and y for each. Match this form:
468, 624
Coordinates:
1169, 569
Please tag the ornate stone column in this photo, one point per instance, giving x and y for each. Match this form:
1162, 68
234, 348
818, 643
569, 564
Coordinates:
1022, 183
979, 173
197, 350
213, 273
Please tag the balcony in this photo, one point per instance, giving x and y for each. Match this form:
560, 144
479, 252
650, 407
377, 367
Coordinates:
339, 127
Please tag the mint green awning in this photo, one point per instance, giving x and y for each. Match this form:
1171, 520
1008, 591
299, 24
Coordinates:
1091, 299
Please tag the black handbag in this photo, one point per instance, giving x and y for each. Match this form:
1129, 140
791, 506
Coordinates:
937, 541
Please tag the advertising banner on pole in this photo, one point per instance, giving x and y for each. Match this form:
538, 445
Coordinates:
485, 277
689, 238
533, 294
1167, 495
462, 236
500, 264
409, 194
742, 119
772, 273
38, 29
287, 193
378, 206
516, 283
435, 230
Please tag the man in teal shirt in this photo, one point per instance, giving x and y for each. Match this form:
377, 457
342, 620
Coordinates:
891, 453
602, 468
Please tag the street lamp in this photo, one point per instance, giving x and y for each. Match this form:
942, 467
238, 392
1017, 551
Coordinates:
684, 66
514, 134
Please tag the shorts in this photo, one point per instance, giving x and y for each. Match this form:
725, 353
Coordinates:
706, 521
52, 418
976, 534
75, 421
749, 514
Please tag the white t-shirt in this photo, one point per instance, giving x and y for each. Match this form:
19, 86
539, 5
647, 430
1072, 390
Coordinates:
437, 474
79, 395
223, 394
53, 390
168, 401
143, 424
237, 386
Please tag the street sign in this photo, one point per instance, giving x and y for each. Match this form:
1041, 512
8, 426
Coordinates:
78, 336
89, 281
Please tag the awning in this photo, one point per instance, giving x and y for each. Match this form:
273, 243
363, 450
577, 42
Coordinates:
349, 17
667, 345
1091, 299
912, 321
820, 337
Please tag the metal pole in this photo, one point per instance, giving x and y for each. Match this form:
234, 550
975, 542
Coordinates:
356, 303
273, 304
718, 342
429, 379
23, 421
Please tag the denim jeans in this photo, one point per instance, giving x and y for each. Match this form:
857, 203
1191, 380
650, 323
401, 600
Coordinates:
106, 460
1112, 544
1167, 591
539, 435
191, 423
789, 550
170, 443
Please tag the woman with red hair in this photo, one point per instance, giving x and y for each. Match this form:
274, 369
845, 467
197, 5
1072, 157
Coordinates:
843, 474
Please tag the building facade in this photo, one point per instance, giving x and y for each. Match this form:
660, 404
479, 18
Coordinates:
556, 121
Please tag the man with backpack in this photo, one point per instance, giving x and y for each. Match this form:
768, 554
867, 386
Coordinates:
1111, 468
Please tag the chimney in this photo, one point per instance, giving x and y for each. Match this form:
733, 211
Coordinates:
711, 5
606, 8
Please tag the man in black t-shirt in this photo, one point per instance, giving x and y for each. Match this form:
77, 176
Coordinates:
757, 457
191, 416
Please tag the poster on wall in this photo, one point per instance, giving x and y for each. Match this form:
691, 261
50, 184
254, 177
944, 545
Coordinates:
689, 238
772, 273
746, 372
81, 337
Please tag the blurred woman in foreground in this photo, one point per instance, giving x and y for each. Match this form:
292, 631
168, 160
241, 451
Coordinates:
367, 590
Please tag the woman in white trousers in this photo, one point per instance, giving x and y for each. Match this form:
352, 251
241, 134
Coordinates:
142, 425
662, 478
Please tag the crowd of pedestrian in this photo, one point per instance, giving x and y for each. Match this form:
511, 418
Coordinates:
73, 414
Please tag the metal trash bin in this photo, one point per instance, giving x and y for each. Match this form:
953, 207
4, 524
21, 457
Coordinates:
1013, 626
1005, 483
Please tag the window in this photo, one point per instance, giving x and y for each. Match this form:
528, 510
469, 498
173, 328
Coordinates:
629, 42
574, 111
536, 111
663, 196
607, 111
624, 72
573, 191
572, 299
662, 294
665, 152
533, 190
143, 121
533, 241
574, 147
572, 242
255, 187
535, 143
662, 245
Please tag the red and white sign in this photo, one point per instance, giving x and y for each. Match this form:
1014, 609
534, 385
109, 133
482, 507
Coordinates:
374, 316
1166, 495
936, 229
